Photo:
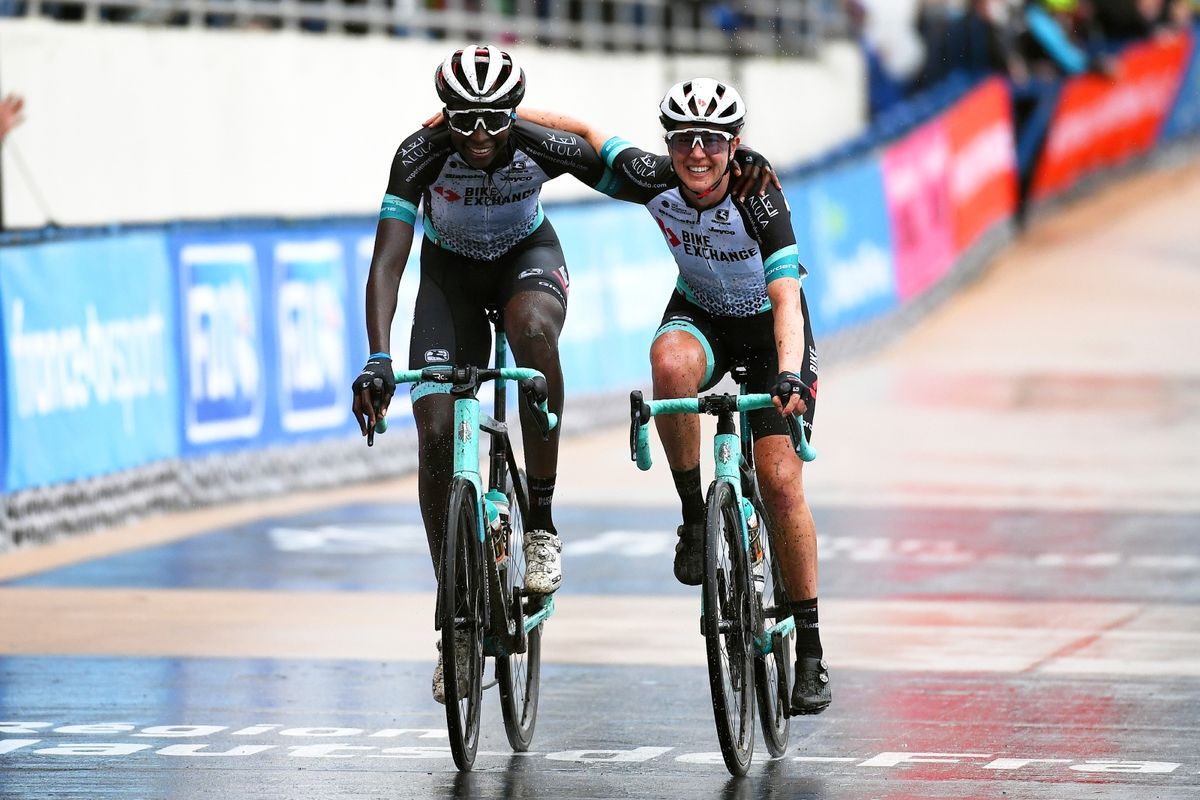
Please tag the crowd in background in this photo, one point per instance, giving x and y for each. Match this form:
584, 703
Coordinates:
1023, 40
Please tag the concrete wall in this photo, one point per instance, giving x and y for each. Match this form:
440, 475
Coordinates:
129, 124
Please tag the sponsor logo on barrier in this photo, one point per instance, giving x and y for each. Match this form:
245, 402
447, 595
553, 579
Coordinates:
93, 362
222, 342
310, 314
983, 171
916, 181
858, 280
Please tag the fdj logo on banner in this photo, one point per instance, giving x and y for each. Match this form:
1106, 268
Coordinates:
91, 384
222, 343
310, 315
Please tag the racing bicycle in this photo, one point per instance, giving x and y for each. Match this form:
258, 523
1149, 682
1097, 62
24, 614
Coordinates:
749, 641
482, 605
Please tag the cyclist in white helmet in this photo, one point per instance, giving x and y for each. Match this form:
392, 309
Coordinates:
738, 298
487, 246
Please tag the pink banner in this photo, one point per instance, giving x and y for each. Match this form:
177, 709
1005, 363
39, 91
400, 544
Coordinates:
916, 182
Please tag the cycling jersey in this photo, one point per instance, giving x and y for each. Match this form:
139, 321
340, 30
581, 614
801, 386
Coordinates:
477, 213
726, 254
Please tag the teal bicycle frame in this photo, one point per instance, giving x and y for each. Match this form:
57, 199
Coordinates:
727, 454
469, 420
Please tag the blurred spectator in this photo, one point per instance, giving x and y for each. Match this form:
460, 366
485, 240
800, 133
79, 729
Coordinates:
883, 88
977, 42
1061, 38
11, 116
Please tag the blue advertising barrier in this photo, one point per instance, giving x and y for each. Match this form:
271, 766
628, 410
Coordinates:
622, 275
271, 332
90, 379
844, 239
1184, 119
221, 342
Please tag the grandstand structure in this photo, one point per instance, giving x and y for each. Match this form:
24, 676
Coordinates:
793, 28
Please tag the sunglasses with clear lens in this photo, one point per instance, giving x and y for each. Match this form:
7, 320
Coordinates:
682, 142
492, 120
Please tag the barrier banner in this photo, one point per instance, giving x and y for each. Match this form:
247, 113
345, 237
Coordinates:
844, 240
359, 247
622, 275
309, 305
983, 166
91, 385
1185, 115
1101, 122
221, 342
916, 179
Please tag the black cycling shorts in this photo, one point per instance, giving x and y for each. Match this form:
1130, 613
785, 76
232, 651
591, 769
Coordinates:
450, 324
728, 341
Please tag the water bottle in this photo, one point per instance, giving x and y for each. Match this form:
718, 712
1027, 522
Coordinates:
497, 511
757, 564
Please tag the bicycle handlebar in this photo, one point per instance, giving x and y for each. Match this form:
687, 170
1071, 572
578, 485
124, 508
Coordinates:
640, 413
532, 383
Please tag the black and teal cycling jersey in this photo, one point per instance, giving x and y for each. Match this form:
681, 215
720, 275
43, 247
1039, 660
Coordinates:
727, 254
484, 213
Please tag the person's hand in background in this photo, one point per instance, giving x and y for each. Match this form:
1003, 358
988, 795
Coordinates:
10, 113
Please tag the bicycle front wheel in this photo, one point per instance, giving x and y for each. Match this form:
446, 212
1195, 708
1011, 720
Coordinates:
461, 619
519, 674
773, 671
728, 624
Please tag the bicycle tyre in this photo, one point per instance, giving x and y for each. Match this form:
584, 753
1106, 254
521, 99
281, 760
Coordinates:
461, 618
519, 674
772, 672
728, 626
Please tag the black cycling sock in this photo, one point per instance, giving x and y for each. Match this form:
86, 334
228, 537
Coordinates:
541, 495
808, 630
687, 484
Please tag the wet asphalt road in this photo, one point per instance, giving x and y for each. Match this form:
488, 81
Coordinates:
98, 726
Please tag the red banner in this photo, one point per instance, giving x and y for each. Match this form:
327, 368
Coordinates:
1101, 122
983, 164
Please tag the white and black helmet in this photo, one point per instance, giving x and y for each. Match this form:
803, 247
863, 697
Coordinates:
480, 75
704, 101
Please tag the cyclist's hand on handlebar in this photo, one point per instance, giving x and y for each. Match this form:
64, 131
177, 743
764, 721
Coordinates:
792, 395
373, 390
751, 173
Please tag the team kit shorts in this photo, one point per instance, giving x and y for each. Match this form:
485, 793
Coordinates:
450, 324
750, 341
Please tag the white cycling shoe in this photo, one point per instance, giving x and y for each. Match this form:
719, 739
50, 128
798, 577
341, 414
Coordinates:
543, 562
462, 667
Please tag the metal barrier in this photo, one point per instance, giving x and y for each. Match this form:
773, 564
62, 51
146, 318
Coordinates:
741, 27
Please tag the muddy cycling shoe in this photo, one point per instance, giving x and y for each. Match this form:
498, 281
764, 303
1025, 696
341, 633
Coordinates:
543, 562
811, 694
462, 668
689, 555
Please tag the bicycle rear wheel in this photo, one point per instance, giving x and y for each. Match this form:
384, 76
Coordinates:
461, 619
728, 625
773, 672
519, 674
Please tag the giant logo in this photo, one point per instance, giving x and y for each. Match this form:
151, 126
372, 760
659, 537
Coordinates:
222, 343
310, 318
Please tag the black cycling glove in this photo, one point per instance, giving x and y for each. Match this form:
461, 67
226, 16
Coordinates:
747, 158
377, 375
789, 383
